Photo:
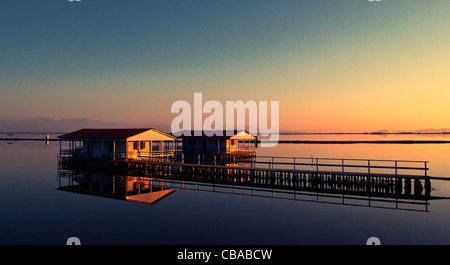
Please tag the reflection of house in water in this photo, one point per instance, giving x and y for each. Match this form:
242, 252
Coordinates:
118, 143
127, 188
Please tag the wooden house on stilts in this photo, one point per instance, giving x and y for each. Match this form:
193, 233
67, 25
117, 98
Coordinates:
118, 144
215, 146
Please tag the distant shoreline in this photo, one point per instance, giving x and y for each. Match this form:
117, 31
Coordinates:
28, 139
287, 133
285, 141
360, 142
32, 133
364, 133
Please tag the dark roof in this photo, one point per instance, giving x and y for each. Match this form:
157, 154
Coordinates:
107, 133
217, 134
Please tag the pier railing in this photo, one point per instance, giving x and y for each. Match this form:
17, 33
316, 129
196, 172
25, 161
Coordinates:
369, 166
338, 165
78, 152
364, 166
141, 155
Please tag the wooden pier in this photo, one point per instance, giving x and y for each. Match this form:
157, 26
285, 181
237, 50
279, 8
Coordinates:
377, 178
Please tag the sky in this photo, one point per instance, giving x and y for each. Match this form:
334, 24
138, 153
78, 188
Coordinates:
333, 65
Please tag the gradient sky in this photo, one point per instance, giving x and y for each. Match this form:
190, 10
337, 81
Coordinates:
334, 65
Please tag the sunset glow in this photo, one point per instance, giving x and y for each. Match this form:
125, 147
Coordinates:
333, 65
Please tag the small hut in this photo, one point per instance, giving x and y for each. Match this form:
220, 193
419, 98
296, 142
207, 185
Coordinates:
220, 146
118, 143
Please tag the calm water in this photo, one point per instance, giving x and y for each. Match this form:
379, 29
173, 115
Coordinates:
35, 212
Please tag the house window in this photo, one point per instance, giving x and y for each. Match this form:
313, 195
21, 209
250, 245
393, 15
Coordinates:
168, 145
142, 145
135, 145
179, 145
155, 146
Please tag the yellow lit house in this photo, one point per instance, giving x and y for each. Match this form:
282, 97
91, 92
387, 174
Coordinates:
118, 143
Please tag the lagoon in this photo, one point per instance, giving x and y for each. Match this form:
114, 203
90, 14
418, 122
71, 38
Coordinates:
34, 211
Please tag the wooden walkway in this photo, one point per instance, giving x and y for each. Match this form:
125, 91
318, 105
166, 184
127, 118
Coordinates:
276, 173
354, 183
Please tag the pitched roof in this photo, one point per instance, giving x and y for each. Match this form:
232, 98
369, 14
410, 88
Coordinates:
214, 134
107, 133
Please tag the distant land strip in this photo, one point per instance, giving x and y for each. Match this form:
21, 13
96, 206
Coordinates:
359, 142
280, 133
363, 133
27, 139
289, 141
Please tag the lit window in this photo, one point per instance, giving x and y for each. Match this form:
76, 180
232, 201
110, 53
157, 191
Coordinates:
155, 146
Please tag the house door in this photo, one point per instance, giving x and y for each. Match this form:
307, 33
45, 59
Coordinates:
88, 149
110, 149
204, 146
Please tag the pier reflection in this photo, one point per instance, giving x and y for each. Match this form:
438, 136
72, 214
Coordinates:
152, 188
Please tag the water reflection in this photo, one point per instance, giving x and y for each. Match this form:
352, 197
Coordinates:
287, 216
128, 188
152, 189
